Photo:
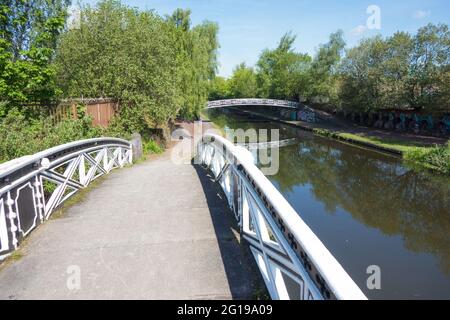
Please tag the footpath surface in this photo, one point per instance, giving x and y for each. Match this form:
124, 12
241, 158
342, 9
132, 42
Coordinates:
156, 230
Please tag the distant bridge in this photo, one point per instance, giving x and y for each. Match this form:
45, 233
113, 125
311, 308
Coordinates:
252, 102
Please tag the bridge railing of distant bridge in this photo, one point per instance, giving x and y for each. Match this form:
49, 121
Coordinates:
32, 187
252, 102
293, 261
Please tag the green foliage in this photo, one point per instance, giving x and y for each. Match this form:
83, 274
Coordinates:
110, 55
243, 82
281, 72
322, 75
437, 158
151, 147
156, 67
22, 136
430, 67
401, 71
28, 35
218, 89
361, 78
197, 59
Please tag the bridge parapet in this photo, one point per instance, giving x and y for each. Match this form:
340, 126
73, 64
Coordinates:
294, 263
252, 102
32, 187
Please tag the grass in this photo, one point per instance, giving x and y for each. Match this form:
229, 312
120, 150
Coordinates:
152, 147
14, 256
398, 145
436, 158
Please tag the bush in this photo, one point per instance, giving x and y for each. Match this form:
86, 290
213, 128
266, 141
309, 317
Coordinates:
437, 158
22, 136
151, 146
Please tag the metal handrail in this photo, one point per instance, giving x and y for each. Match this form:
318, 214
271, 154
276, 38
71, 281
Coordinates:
32, 187
15, 164
293, 261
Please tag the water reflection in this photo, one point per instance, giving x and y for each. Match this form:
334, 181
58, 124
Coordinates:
368, 208
376, 190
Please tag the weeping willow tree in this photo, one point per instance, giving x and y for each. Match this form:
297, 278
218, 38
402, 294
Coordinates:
197, 47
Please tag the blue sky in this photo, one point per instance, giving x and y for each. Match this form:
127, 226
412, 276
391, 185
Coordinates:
248, 26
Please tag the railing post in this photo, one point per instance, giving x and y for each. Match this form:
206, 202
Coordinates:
136, 147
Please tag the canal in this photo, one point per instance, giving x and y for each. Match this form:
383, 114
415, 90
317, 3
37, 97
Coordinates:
368, 209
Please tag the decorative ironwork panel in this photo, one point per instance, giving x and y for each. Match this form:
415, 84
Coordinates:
26, 209
32, 187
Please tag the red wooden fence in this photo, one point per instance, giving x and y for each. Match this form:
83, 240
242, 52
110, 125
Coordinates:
101, 110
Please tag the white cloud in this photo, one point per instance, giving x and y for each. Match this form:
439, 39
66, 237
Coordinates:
359, 30
420, 14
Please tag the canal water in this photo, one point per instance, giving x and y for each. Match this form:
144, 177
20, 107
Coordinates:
368, 209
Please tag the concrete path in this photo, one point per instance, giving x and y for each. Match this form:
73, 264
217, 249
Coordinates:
156, 230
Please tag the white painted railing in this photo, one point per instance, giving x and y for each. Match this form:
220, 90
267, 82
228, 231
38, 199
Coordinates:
32, 187
293, 261
252, 102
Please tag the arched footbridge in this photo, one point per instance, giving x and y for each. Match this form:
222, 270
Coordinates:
157, 229
252, 102
296, 111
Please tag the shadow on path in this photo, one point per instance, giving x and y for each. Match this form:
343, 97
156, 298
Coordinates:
243, 275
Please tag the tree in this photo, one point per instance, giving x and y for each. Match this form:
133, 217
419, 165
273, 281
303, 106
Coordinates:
361, 75
126, 54
28, 34
243, 82
218, 89
396, 65
398, 72
156, 67
430, 62
197, 59
323, 71
182, 19
279, 71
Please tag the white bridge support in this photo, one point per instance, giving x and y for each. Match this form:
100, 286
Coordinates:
32, 187
293, 261
252, 102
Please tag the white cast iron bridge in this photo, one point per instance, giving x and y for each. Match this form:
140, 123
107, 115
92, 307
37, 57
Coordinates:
157, 229
252, 102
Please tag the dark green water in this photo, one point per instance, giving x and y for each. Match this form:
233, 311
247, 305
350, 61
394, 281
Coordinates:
368, 209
